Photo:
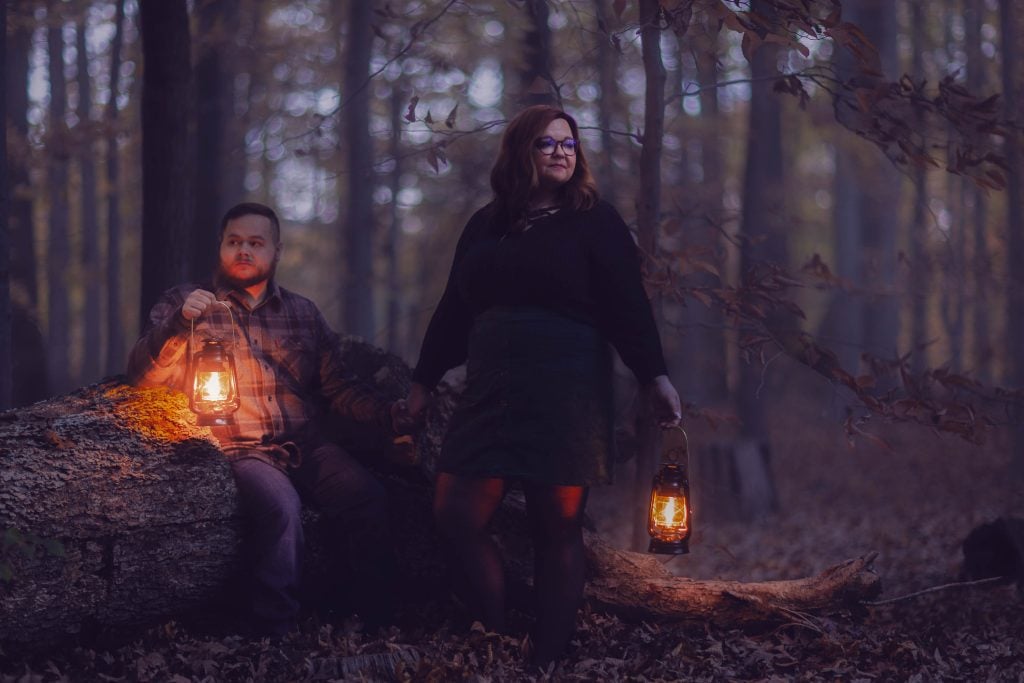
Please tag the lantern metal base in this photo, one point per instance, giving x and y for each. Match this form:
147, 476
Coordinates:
669, 547
213, 420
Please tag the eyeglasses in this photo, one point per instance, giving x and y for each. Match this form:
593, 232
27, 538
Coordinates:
547, 145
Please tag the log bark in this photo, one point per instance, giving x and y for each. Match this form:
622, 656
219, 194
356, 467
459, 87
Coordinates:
117, 509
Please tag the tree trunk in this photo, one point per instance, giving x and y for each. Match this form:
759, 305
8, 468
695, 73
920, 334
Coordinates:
167, 158
127, 513
764, 242
920, 265
880, 196
981, 261
92, 312
5, 244
648, 213
605, 64
218, 23
115, 327
357, 289
58, 252
20, 226
764, 220
397, 337
537, 82
1014, 230
704, 378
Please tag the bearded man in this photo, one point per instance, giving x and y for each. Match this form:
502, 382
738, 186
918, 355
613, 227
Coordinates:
289, 367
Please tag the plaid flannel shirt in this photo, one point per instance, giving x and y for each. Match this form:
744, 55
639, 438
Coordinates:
288, 361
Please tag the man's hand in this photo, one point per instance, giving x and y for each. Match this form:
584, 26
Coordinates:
665, 402
401, 421
416, 402
196, 304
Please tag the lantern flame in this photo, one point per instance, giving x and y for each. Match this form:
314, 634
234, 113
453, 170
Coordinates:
670, 513
212, 387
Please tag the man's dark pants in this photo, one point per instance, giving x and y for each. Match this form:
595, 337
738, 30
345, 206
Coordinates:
355, 516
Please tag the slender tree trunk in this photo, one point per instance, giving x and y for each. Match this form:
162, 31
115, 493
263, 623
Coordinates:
881, 199
763, 220
396, 340
981, 268
358, 289
58, 249
20, 227
5, 244
92, 311
1014, 228
704, 378
167, 156
648, 205
537, 83
218, 22
955, 272
115, 326
920, 265
605, 63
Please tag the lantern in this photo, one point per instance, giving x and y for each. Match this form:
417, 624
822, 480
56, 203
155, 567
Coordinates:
214, 385
669, 519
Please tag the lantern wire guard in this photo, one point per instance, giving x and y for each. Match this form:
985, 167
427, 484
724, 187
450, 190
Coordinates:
669, 519
214, 410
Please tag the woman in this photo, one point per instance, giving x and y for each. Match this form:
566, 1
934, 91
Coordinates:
543, 278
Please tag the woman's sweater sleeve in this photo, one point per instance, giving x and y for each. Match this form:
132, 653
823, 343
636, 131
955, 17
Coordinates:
623, 308
446, 342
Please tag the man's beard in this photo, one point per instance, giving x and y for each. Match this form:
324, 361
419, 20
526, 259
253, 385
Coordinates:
245, 282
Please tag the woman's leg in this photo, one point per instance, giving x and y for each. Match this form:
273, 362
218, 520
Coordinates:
463, 506
556, 525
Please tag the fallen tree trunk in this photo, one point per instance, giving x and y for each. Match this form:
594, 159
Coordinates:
117, 509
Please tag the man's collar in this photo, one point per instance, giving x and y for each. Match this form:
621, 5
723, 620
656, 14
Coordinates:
224, 290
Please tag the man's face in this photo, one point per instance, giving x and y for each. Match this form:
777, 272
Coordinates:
248, 254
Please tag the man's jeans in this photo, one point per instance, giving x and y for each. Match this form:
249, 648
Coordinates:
354, 509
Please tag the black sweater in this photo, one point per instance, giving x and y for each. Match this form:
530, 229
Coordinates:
581, 264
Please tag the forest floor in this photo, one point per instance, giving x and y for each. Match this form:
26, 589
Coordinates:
913, 503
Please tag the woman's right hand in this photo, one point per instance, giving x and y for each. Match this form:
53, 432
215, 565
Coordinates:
417, 401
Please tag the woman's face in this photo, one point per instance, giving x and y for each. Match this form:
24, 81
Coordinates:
555, 169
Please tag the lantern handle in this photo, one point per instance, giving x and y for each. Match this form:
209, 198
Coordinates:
672, 453
192, 334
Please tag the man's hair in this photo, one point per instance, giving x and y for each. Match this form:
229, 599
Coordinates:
251, 209
514, 175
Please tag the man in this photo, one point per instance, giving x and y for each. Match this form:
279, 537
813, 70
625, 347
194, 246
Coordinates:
289, 364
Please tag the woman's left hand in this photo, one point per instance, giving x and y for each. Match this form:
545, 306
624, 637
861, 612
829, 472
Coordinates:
665, 402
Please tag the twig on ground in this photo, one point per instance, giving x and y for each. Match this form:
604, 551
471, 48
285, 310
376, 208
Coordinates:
935, 589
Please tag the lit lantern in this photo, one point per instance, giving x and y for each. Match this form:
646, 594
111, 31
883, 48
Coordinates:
214, 384
669, 520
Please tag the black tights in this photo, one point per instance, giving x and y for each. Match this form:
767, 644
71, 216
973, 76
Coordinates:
463, 506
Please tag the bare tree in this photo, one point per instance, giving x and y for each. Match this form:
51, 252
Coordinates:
1014, 227
5, 244
763, 241
920, 266
648, 205
981, 262
537, 83
396, 340
357, 289
115, 327
167, 158
92, 311
58, 258
21, 228
217, 24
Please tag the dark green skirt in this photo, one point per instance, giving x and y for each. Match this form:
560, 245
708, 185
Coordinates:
538, 401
